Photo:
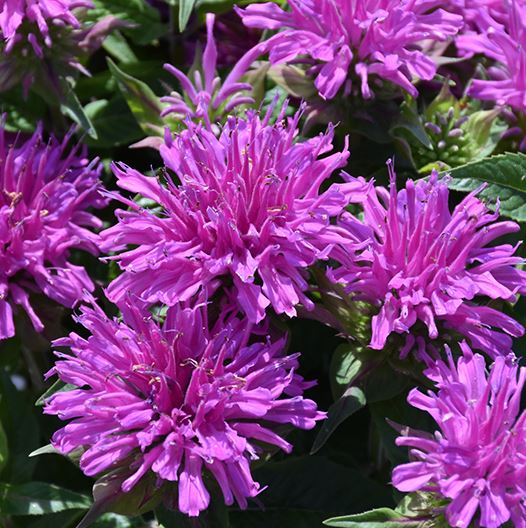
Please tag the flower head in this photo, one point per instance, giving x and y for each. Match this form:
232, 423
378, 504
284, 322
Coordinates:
351, 41
248, 214
504, 43
177, 401
418, 262
40, 14
477, 458
206, 99
41, 40
45, 193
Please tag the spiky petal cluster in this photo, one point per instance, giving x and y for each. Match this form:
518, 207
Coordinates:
473, 10
41, 41
205, 99
45, 192
248, 210
352, 41
505, 43
37, 14
477, 458
177, 400
417, 261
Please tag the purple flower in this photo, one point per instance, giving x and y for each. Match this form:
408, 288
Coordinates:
206, 99
41, 14
350, 42
504, 43
247, 214
177, 400
202, 100
418, 262
41, 40
477, 459
44, 196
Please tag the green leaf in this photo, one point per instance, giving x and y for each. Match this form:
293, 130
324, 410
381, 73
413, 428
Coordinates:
397, 411
185, 10
4, 449
117, 46
64, 519
114, 122
352, 400
505, 175
293, 80
58, 386
73, 109
303, 491
381, 518
21, 429
485, 131
409, 122
44, 450
345, 366
141, 99
38, 498
384, 383
112, 520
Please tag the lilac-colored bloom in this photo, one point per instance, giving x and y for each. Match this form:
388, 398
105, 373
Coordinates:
177, 400
247, 214
418, 262
505, 43
477, 458
41, 41
356, 42
472, 10
43, 15
201, 100
205, 98
45, 193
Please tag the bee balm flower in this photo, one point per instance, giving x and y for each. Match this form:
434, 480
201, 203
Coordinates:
177, 400
45, 194
247, 214
419, 262
476, 461
356, 41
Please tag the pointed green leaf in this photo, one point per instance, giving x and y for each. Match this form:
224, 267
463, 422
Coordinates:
4, 450
73, 109
380, 518
352, 400
346, 364
44, 450
58, 386
505, 175
185, 10
39, 498
141, 99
